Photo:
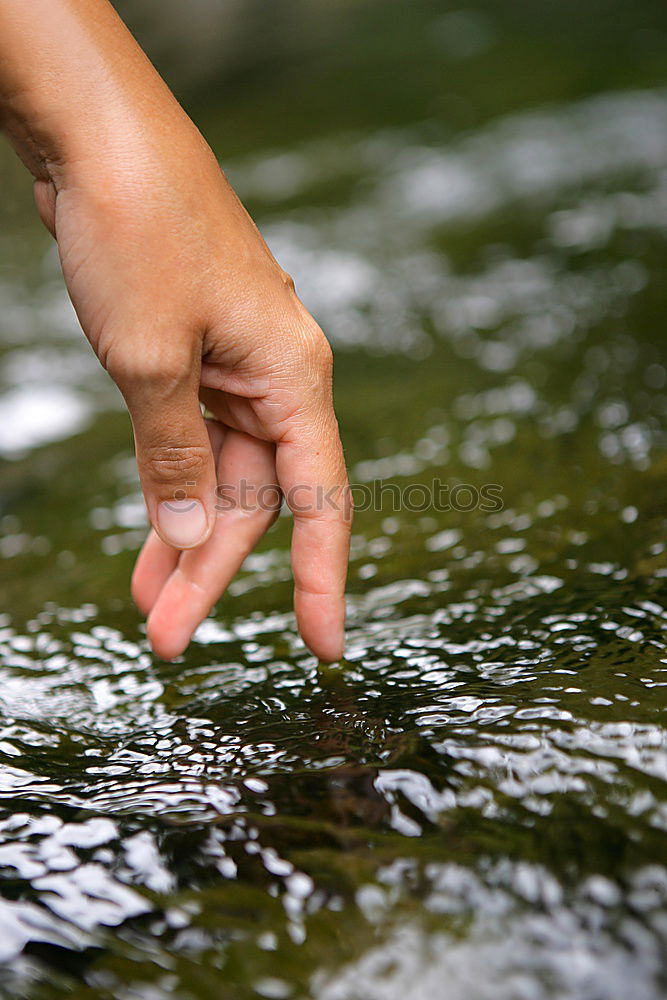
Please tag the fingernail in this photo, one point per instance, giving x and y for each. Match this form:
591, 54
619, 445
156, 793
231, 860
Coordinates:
182, 523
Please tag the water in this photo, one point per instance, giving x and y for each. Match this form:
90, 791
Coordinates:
473, 805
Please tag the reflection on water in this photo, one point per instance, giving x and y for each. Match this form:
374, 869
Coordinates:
476, 797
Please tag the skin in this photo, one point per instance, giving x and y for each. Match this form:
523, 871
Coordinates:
183, 304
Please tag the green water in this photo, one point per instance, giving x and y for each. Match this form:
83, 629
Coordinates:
474, 204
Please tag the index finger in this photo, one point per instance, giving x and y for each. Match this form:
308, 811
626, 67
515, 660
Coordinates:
311, 472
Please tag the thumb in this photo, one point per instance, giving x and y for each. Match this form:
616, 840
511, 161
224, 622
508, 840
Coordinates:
174, 456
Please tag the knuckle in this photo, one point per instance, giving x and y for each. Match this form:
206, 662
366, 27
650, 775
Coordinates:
287, 280
172, 464
318, 354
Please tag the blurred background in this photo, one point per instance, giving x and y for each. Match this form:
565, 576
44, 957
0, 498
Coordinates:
473, 203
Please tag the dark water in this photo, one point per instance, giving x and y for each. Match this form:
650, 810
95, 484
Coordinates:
474, 805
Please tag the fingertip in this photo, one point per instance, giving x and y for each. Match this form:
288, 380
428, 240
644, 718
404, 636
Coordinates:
321, 621
166, 644
329, 653
179, 609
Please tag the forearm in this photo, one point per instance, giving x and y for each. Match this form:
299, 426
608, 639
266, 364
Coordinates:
76, 89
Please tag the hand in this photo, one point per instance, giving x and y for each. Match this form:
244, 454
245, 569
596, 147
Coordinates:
182, 301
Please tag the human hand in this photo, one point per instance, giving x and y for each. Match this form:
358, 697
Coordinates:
182, 301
